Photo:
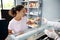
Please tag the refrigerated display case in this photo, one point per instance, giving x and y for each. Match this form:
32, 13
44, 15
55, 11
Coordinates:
34, 10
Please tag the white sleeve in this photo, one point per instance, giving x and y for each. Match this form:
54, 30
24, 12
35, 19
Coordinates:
55, 24
51, 23
10, 26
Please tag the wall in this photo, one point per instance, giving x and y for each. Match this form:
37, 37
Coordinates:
51, 9
59, 6
0, 14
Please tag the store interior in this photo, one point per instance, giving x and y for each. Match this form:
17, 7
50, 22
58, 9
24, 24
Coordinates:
49, 9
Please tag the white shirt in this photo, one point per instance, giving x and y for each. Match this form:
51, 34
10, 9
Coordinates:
56, 25
18, 26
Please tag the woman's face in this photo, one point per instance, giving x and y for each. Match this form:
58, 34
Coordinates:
22, 12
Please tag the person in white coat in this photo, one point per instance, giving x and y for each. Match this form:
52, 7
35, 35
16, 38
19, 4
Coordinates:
52, 33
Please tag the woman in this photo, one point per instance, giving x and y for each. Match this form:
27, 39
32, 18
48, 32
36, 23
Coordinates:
18, 24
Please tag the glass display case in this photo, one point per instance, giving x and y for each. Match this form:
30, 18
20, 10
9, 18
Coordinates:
34, 10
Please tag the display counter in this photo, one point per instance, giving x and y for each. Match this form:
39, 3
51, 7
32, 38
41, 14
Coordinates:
36, 32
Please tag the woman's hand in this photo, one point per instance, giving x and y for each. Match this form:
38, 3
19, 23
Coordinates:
44, 20
21, 33
10, 32
30, 22
37, 19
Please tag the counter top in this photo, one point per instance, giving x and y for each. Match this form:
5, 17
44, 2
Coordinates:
29, 33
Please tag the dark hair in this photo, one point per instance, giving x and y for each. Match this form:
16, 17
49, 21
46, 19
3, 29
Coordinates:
12, 12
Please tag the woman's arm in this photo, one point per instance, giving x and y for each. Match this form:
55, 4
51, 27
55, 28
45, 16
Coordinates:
55, 24
32, 21
10, 26
51, 23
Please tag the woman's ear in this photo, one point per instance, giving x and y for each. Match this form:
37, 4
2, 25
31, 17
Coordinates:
17, 12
